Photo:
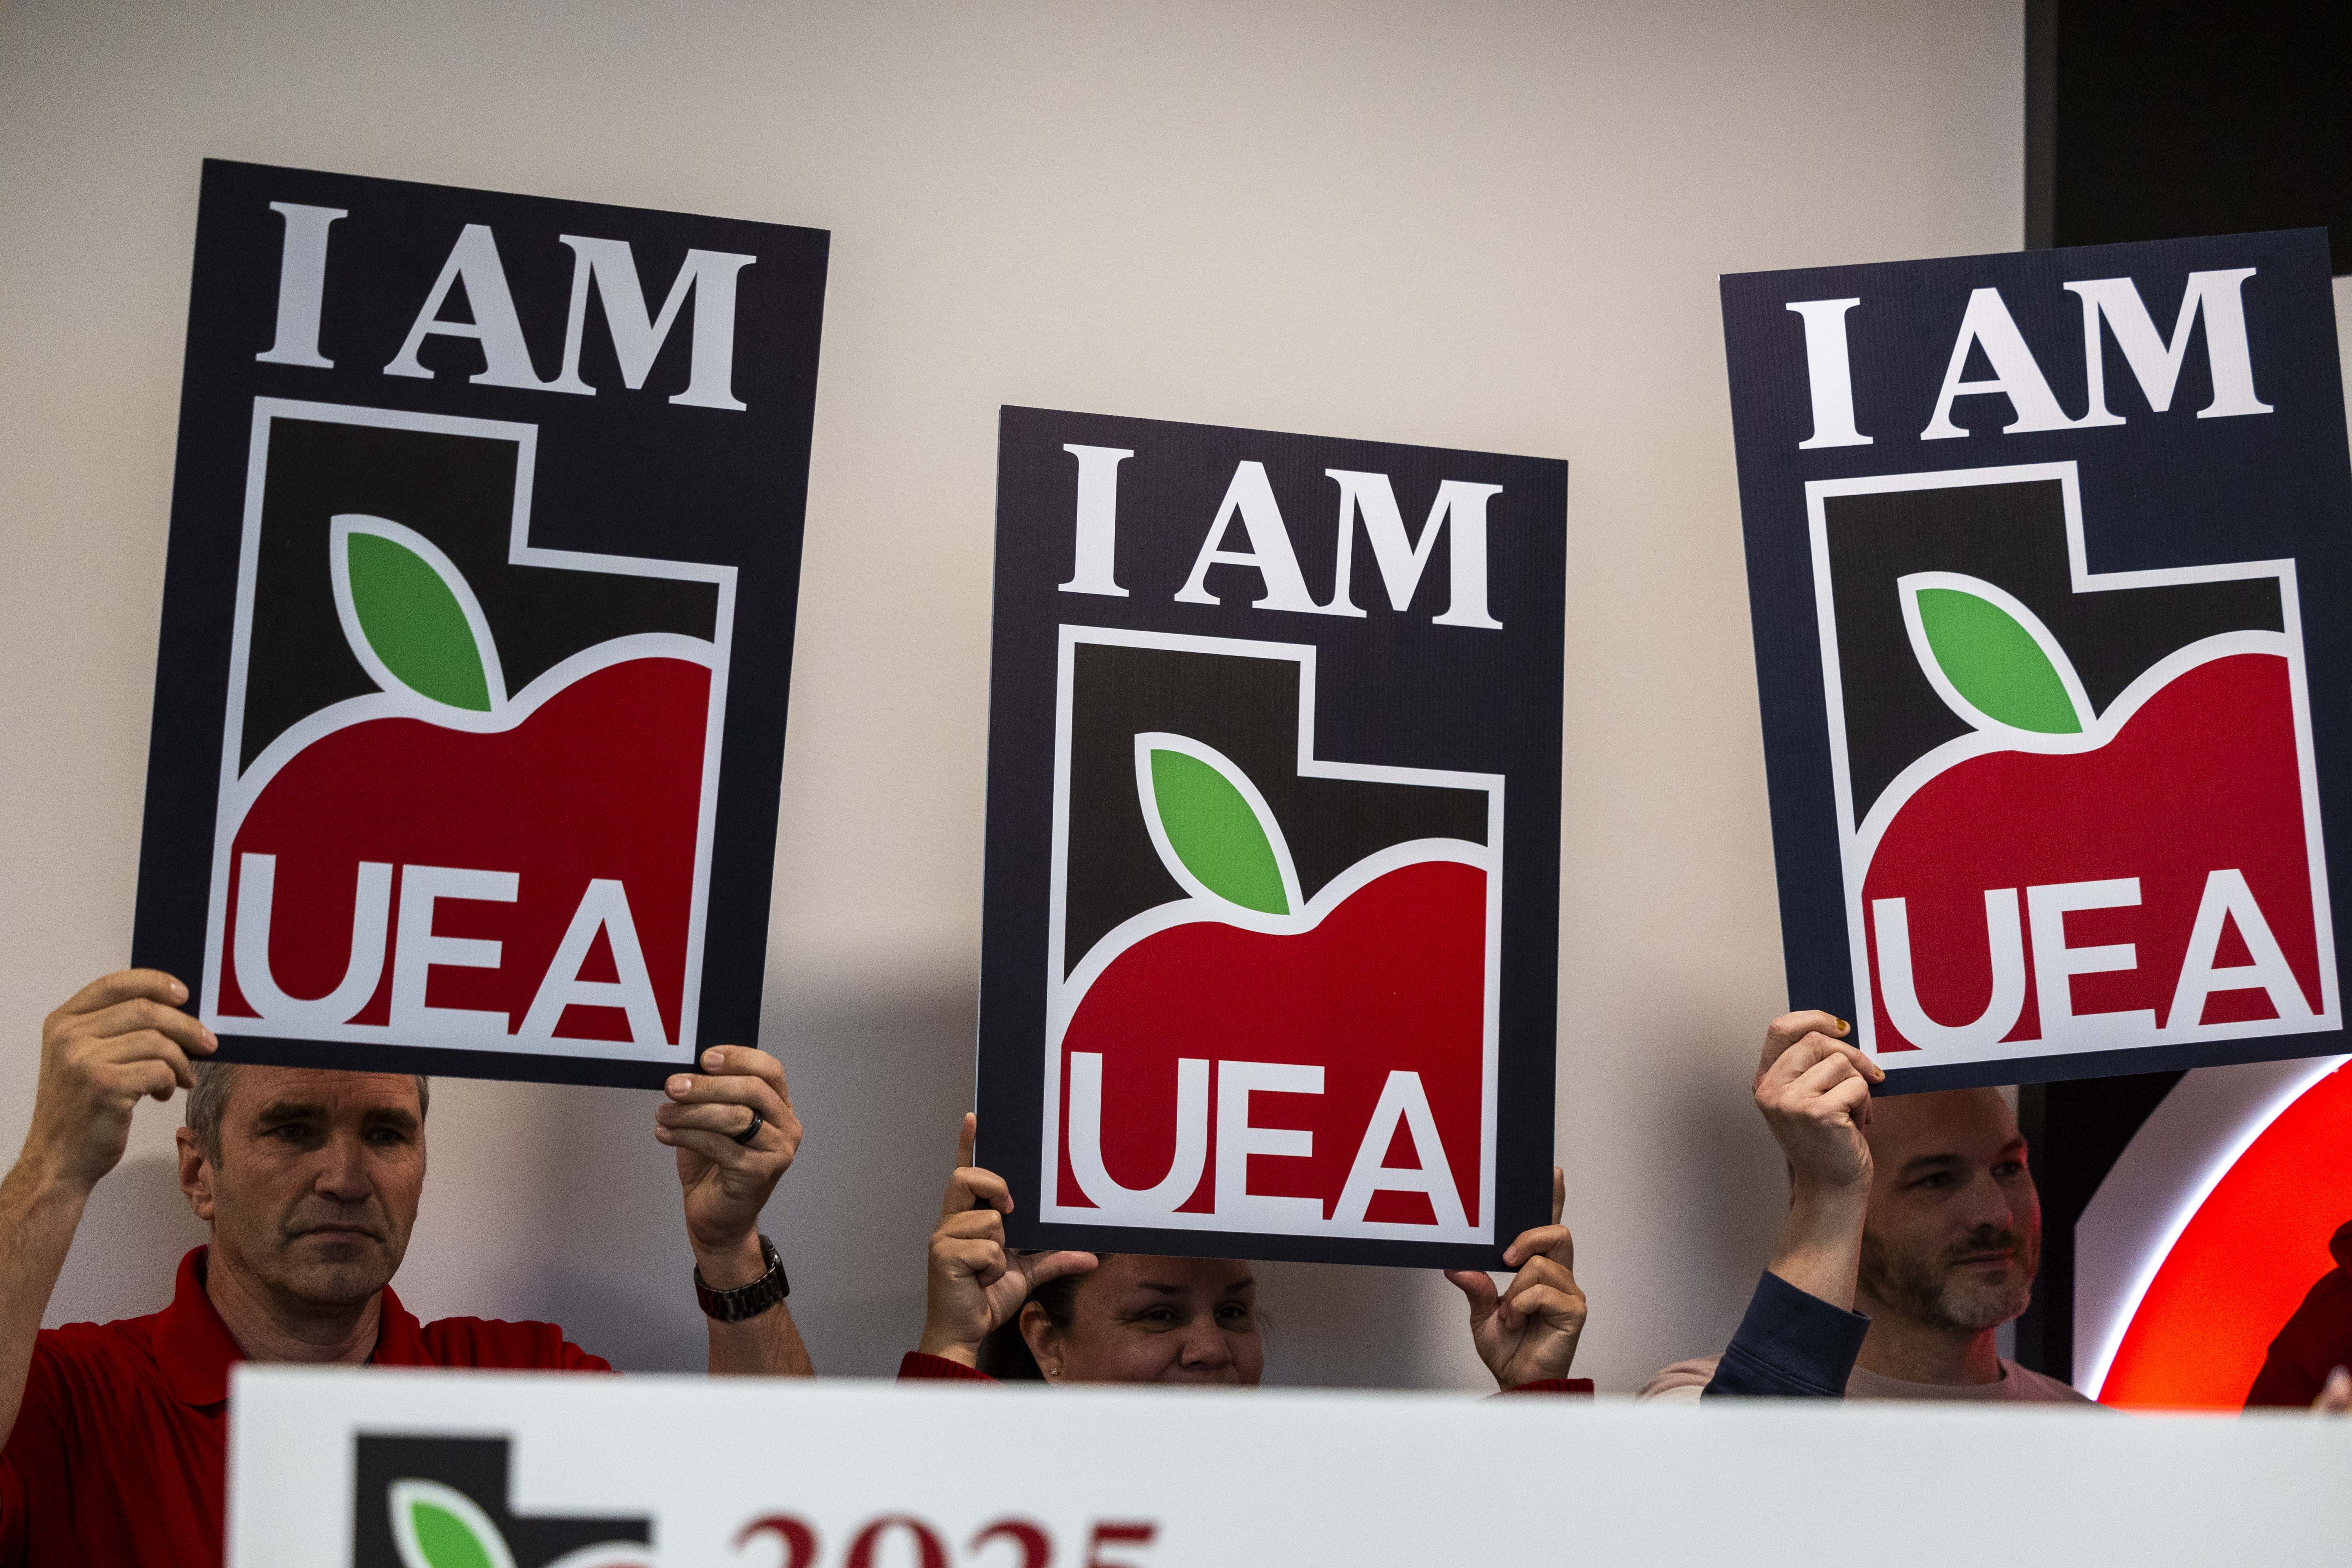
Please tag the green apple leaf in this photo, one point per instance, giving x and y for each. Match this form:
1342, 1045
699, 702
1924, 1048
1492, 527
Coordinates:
1995, 662
445, 1539
414, 622
1214, 830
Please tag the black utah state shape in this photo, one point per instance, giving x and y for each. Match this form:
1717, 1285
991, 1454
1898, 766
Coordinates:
477, 1466
2014, 537
1247, 709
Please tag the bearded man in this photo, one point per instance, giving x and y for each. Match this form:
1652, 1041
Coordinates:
1914, 1233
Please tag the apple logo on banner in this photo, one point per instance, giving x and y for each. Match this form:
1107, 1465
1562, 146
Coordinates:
1272, 987
2078, 810
443, 1502
467, 781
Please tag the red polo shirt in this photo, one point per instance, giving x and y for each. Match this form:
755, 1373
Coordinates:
120, 1451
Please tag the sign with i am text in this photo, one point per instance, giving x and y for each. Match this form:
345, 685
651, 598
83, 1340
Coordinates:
1272, 899
477, 617
2048, 559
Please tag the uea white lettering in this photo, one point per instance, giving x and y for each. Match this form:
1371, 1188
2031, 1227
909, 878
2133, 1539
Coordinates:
1250, 501
2226, 901
604, 907
302, 285
1237, 1141
1403, 1103
256, 886
1185, 1164
1891, 920
418, 950
2215, 298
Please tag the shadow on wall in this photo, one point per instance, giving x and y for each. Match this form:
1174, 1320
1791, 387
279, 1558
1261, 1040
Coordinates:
555, 1202
129, 1242
1329, 1325
881, 1077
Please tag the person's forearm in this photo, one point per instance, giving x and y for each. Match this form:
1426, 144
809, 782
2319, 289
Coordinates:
767, 1345
1820, 1248
39, 1213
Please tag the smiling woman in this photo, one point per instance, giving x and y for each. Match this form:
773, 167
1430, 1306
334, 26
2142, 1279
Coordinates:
1134, 1318
995, 1314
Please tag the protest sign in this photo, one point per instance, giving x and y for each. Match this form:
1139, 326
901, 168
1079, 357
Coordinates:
1271, 913
2047, 560
469, 704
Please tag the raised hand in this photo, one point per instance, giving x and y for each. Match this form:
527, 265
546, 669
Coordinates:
976, 1282
727, 1184
119, 1040
1813, 1090
1529, 1330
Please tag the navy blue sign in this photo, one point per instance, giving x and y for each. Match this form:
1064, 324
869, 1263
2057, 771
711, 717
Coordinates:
1272, 901
2047, 559
477, 625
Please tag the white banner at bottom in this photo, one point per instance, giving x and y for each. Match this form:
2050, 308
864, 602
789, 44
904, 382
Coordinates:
450, 1470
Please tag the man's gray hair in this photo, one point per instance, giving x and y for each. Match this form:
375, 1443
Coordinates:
208, 1103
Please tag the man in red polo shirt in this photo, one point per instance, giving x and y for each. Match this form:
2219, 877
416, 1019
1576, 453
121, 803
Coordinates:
308, 1182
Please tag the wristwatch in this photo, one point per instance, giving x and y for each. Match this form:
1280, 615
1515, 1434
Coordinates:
746, 1300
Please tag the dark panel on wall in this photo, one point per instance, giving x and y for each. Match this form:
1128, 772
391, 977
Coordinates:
2074, 1133
2170, 119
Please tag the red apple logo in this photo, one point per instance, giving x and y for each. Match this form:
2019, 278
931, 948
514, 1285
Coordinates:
1285, 1063
442, 863
2069, 879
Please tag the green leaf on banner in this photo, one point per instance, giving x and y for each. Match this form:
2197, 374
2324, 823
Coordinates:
413, 623
447, 1541
1995, 663
1216, 833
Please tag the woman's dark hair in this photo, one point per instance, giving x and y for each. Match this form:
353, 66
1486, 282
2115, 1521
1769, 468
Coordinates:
1005, 1356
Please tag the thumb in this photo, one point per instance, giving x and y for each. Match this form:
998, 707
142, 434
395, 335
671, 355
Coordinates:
1480, 1289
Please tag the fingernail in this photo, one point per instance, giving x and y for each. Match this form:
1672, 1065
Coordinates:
1845, 1027
212, 1039
711, 1059
179, 991
680, 1084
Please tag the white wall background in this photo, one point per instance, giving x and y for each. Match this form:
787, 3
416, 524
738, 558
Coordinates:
1476, 224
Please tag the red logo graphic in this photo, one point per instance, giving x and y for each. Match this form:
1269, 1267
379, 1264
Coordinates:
2066, 875
1283, 1056
442, 862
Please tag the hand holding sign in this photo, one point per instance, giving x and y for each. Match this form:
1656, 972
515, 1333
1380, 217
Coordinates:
977, 1283
121, 1039
1814, 1091
1529, 1332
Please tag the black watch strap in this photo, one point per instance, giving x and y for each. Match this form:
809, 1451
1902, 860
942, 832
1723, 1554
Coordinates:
746, 1300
